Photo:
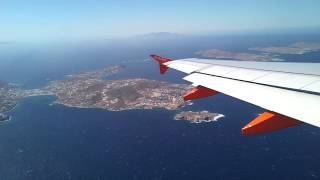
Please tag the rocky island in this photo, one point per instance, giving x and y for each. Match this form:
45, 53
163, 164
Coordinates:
90, 90
198, 117
4, 117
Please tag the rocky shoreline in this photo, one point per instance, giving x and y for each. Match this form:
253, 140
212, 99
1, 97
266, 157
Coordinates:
198, 117
4, 117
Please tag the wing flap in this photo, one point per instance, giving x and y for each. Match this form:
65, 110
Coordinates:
314, 87
280, 79
287, 80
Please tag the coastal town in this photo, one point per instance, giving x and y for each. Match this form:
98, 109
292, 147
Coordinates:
10, 95
91, 90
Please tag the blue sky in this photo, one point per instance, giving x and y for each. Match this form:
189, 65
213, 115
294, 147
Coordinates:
92, 19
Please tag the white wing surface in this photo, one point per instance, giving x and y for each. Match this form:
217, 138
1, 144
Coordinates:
290, 92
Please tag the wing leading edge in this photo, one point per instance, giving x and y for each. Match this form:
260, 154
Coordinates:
289, 91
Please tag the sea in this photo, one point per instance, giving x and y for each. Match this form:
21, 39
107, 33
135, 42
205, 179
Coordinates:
50, 141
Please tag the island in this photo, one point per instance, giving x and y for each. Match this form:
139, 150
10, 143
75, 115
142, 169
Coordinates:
11, 94
262, 53
93, 90
221, 54
295, 48
198, 117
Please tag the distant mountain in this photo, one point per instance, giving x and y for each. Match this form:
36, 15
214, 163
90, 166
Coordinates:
160, 35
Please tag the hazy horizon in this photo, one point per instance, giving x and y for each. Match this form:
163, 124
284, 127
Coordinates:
86, 20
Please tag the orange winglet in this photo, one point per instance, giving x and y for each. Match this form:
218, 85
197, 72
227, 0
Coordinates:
161, 61
199, 92
268, 122
163, 68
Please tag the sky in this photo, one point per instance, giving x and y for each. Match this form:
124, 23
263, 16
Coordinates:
92, 19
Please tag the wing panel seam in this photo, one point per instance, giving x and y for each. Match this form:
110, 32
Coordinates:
292, 89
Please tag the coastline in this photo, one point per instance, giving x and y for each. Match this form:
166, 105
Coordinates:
111, 109
5, 118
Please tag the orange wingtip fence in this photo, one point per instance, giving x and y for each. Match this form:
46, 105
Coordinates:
161, 61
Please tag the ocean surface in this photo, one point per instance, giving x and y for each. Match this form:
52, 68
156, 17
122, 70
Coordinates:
44, 141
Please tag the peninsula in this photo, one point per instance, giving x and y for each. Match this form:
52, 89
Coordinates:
90, 90
10, 95
198, 117
295, 48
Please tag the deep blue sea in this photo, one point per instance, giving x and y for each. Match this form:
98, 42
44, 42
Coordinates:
44, 141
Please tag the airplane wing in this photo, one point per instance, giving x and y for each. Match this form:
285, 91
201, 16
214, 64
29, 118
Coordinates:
290, 92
